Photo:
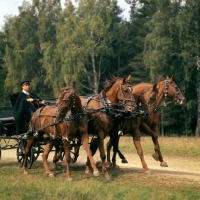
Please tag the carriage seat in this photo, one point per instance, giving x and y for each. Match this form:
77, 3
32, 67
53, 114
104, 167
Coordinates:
6, 114
7, 121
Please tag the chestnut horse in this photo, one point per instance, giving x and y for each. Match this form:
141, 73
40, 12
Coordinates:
101, 112
59, 125
151, 96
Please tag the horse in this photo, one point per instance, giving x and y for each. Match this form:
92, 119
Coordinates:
151, 96
58, 126
103, 108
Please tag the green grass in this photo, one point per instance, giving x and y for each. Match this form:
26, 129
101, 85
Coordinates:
125, 186
176, 146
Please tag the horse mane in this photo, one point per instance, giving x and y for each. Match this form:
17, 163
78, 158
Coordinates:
160, 78
109, 83
65, 88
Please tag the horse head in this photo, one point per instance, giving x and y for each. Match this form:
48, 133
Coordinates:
120, 90
65, 99
170, 90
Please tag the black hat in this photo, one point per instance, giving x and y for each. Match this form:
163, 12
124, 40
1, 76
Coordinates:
22, 83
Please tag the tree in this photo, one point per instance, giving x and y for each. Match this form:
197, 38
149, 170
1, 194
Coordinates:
84, 40
29, 34
141, 12
162, 55
2, 69
188, 22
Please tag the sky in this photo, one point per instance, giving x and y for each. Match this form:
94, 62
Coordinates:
10, 7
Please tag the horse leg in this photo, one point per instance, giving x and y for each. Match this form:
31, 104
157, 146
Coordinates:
45, 155
157, 155
31, 139
136, 140
103, 157
154, 135
122, 157
94, 144
109, 146
66, 146
115, 143
57, 155
85, 141
76, 151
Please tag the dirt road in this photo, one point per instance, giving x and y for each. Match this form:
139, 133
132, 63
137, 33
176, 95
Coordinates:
181, 169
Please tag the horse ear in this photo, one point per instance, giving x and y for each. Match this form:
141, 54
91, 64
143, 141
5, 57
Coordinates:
124, 79
154, 86
172, 77
129, 78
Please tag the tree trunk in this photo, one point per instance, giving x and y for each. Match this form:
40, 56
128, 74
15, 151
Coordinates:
197, 132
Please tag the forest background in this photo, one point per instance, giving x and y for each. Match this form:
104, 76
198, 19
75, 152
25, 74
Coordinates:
82, 46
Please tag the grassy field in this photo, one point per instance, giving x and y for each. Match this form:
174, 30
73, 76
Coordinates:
176, 146
126, 184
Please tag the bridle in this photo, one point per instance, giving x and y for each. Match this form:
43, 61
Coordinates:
168, 85
125, 100
175, 89
70, 100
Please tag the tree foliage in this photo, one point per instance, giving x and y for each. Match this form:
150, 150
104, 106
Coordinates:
85, 42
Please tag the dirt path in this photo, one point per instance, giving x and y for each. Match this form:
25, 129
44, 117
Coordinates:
181, 169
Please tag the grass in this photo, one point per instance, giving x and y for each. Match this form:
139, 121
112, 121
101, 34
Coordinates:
176, 146
126, 184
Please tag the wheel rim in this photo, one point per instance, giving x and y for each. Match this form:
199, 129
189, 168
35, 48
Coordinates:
20, 154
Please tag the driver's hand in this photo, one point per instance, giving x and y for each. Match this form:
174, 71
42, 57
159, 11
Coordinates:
30, 100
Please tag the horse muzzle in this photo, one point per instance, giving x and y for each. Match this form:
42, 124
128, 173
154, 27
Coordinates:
180, 101
129, 108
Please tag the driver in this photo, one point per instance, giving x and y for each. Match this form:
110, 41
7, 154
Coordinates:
24, 105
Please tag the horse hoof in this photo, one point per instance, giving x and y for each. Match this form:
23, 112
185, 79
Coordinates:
155, 157
116, 166
108, 177
70, 179
163, 164
87, 171
74, 160
96, 173
148, 171
124, 161
109, 164
25, 173
51, 175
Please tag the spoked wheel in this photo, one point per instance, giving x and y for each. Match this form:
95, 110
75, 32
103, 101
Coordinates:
35, 151
74, 149
20, 154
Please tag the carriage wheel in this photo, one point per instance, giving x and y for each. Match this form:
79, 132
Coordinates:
20, 154
35, 151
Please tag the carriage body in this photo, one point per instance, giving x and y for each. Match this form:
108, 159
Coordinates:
7, 122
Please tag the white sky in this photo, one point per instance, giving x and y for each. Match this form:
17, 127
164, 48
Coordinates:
10, 7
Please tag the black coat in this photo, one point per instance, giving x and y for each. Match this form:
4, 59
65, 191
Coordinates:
22, 110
